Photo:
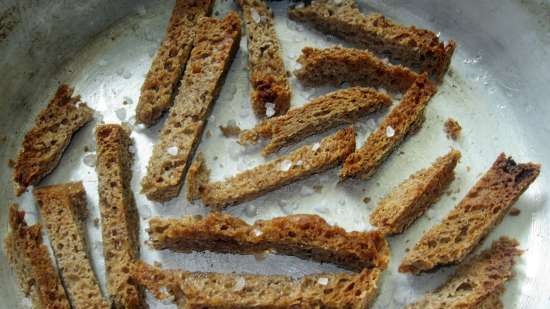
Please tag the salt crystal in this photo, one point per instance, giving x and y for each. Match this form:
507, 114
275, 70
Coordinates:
211, 118
269, 109
323, 281
257, 232
322, 210
240, 282
90, 159
255, 16
285, 165
251, 210
390, 131
121, 114
306, 190
173, 150
299, 163
315, 146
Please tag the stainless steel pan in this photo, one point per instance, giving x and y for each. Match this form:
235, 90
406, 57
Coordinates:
498, 88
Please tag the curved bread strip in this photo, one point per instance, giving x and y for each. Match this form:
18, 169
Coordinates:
473, 218
323, 113
404, 204
216, 42
160, 85
403, 120
478, 283
282, 171
194, 290
31, 262
267, 69
119, 221
44, 144
418, 48
63, 208
305, 236
336, 65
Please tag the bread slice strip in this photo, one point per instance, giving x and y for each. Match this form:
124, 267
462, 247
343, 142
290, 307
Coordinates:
323, 113
119, 218
478, 283
473, 218
267, 71
403, 120
198, 175
160, 85
397, 210
305, 236
32, 264
411, 46
44, 144
63, 208
335, 65
193, 290
216, 42
282, 171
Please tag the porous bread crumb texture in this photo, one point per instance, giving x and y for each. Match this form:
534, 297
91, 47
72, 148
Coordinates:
304, 236
267, 71
335, 65
195, 290
119, 218
216, 42
274, 174
404, 204
404, 120
328, 111
417, 48
477, 283
63, 208
32, 265
197, 175
160, 85
452, 128
473, 218
45, 143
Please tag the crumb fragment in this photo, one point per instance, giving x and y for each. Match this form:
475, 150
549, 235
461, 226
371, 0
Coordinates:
231, 129
11, 163
514, 212
366, 199
452, 128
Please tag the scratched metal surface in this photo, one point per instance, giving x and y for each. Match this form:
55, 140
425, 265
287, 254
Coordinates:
497, 88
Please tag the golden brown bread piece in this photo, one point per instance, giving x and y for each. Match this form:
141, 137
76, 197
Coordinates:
195, 290
197, 176
403, 120
418, 48
336, 65
305, 236
404, 204
452, 128
267, 71
325, 112
63, 208
160, 85
31, 262
45, 143
478, 283
300, 163
216, 42
119, 218
473, 218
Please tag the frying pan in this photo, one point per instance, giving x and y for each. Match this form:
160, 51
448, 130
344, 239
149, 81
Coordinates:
497, 88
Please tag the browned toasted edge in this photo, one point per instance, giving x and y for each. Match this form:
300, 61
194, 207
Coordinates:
27, 171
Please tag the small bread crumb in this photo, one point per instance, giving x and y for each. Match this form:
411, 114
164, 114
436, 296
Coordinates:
231, 129
452, 128
11, 163
366, 199
514, 212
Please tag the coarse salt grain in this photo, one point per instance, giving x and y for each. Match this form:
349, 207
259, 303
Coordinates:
316, 146
323, 281
173, 150
255, 16
285, 165
269, 109
299, 163
257, 232
90, 159
240, 283
390, 132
